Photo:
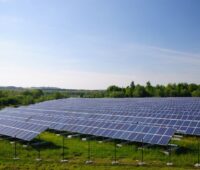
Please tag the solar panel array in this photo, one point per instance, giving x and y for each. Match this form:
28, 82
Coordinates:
20, 129
153, 120
125, 131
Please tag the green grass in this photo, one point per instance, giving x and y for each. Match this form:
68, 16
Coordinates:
76, 151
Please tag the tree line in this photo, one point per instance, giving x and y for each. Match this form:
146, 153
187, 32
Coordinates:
170, 90
25, 97
148, 90
20, 96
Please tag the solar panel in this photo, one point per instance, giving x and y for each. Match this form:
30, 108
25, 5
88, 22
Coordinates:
20, 129
23, 125
17, 133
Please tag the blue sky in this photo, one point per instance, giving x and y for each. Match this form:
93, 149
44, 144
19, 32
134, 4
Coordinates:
91, 44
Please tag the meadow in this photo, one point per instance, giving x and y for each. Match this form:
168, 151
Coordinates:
102, 154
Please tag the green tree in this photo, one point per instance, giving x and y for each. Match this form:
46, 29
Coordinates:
37, 93
192, 87
196, 93
139, 91
114, 88
117, 94
132, 85
149, 89
128, 92
159, 91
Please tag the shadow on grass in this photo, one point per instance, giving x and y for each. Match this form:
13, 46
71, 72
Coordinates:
43, 145
184, 150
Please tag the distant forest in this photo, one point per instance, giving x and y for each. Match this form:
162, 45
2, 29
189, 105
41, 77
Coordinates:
170, 90
14, 96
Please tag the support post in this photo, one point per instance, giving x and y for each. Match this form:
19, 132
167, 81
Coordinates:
198, 163
15, 154
170, 153
115, 151
89, 150
170, 156
63, 150
114, 162
198, 151
89, 161
39, 156
15, 150
142, 151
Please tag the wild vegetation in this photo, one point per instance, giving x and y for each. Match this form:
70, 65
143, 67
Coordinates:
27, 96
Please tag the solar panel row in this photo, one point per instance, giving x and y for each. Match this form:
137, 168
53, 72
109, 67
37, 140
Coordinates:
130, 132
19, 129
124, 131
182, 114
17, 133
181, 124
100, 117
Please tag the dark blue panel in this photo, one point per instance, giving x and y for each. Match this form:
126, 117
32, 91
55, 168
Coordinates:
147, 138
183, 128
107, 132
125, 127
139, 128
132, 127
146, 129
139, 137
153, 130
172, 122
106, 125
99, 132
118, 134
132, 136
94, 130
193, 124
179, 122
111, 134
197, 131
186, 123
155, 139
161, 131
125, 135
164, 140
190, 130
169, 132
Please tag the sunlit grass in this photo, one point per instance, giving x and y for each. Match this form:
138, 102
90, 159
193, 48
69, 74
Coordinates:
76, 151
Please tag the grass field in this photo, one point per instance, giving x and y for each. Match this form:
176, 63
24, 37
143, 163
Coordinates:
102, 154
